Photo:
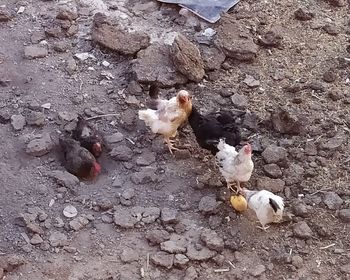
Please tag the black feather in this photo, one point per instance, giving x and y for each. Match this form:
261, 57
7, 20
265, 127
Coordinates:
154, 91
209, 128
274, 205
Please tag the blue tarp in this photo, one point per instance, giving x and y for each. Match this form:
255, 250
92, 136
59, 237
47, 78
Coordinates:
209, 10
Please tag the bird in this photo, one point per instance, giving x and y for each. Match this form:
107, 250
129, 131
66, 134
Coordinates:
210, 128
268, 207
88, 137
236, 167
78, 160
168, 116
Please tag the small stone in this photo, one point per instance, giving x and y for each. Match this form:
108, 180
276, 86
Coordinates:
215, 221
104, 204
163, 259
41, 146
71, 66
330, 76
172, 247
128, 193
42, 217
125, 219
212, 240
58, 239
331, 29
36, 239
286, 122
297, 261
78, 223
251, 82
212, 58
239, 100
201, 254
35, 51
65, 179
209, 205
65, 14
344, 215
146, 158
157, 236
303, 14
121, 153
36, 118
258, 270
300, 209
70, 211
334, 143
18, 122
129, 255
180, 260
67, 116
302, 230
62, 46
274, 154
146, 175
114, 138
271, 39
273, 170
310, 149
191, 274
169, 216
332, 200
107, 219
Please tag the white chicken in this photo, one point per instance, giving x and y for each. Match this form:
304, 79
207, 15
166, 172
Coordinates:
168, 116
268, 207
235, 167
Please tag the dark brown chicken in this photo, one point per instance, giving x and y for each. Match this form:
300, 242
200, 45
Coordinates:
88, 137
78, 160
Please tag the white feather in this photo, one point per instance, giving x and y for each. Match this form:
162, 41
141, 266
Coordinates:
259, 201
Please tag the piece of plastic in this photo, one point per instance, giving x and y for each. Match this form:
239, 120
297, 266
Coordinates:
209, 10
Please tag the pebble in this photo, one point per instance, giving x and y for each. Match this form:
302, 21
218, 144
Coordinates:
129, 255
41, 146
71, 65
191, 274
180, 260
209, 205
67, 116
272, 185
300, 209
36, 239
212, 240
128, 193
239, 100
169, 216
173, 247
121, 153
199, 254
251, 82
36, 118
35, 51
273, 170
302, 230
108, 219
303, 14
65, 179
70, 211
18, 122
344, 215
332, 200
163, 259
104, 204
114, 138
146, 158
274, 154
258, 270
58, 239
157, 236
84, 56
297, 261
78, 223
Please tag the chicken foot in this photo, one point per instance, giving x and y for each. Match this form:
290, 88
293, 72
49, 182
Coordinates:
170, 145
262, 227
238, 187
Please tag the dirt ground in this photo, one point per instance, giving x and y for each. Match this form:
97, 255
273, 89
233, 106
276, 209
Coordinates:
152, 215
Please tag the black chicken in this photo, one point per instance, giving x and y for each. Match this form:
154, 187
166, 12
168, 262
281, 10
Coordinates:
210, 128
88, 137
78, 160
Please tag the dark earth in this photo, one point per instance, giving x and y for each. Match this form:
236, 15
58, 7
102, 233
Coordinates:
282, 66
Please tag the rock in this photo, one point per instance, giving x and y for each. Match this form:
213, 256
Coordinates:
114, 138
146, 175
78, 223
330, 76
121, 153
36, 118
302, 230
212, 58
58, 239
187, 58
344, 215
18, 122
303, 14
54, 32
65, 14
332, 200
334, 143
41, 146
258, 270
154, 64
35, 51
128, 218
129, 255
191, 274
297, 261
35, 228
310, 149
287, 123
128, 193
104, 204
294, 174
273, 170
149, 214
274, 154
107, 219
71, 66
65, 179
173, 247
36, 239
4, 17
68, 116
215, 221
117, 39
202, 254
70, 211
236, 42
157, 236
251, 82
124, 219
169, 216
209, 205
271, 40
11, 262
212, 240
146, 158
5, 117
345, 268
331, 29
300, 209
239, 101
180, 261
163, 259
62, 46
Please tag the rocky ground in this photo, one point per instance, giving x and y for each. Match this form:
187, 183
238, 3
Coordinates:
151, 215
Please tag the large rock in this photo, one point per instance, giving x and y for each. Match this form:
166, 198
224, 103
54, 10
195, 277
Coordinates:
154, 64
236, 41
65, 179
187, 58
117, 39
40, 146
286, 122
35, 51
302, 230
274, 154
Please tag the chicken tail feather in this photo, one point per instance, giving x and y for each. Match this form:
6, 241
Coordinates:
221, 144
274, 205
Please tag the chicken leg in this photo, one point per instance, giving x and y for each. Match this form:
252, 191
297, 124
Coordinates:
170, 145
238, 186
262, 227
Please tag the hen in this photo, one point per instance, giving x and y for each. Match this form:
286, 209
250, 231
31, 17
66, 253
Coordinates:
268, 207
78, 160
235, 167
168, 116
88, 137
210, 128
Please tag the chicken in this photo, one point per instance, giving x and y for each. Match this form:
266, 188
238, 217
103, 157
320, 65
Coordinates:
88, 137
235, 167
268, 207
168, 116
209, 128
78, 160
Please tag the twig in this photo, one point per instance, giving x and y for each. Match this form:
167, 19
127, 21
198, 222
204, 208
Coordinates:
102, 116
147, 262
290, 252
222, 270
321, 190
231, 264
328, 246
